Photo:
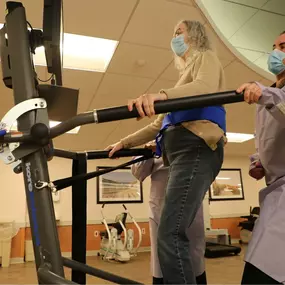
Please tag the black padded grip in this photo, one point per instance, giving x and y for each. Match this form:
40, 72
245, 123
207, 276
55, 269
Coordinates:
121, 153
172, 105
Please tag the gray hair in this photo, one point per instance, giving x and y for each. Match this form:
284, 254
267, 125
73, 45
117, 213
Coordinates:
198, 39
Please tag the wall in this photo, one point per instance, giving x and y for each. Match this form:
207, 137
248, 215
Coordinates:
223, 214
223, 209
12, 201
60, 168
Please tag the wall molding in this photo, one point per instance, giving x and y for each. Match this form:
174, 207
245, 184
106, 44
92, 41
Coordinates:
17, 260
141, 220
225, 216
92, 222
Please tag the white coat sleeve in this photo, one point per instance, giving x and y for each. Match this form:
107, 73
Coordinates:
141, 170
274, 101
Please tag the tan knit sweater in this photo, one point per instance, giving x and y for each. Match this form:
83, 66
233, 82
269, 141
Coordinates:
203, 74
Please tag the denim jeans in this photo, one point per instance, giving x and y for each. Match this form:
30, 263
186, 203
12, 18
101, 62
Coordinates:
193, 168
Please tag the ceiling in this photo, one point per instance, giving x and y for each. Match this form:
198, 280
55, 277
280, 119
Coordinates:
241, 26
143, 29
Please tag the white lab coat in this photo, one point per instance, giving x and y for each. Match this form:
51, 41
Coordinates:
159, 174
266, 249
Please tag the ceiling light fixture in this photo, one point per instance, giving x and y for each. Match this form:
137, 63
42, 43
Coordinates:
51, 124
239, 138
82, 53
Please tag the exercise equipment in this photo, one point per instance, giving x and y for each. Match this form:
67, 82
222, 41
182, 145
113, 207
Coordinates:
216, 249
29, 149
248, 225
79, 194
113, 246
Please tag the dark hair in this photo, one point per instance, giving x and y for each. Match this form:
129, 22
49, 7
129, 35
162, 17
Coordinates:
282, 33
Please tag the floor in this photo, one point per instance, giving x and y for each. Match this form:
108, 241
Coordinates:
226, 270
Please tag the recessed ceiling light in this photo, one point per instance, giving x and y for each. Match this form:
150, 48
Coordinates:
82, 53
223, 178
239, 138
51, 124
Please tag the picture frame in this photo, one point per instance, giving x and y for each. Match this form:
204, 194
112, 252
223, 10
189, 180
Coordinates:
118, 187
228, 185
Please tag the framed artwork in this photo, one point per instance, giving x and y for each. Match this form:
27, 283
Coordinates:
118, 187
227, 186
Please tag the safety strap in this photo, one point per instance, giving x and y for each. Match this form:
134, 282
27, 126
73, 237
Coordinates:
69, 181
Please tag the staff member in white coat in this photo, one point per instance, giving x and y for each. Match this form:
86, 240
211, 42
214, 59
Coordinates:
265, 257
155, 168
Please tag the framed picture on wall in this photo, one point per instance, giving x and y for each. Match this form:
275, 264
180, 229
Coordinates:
119, 186
227, 186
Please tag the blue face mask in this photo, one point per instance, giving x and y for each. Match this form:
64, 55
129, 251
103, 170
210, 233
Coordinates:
178, 45
275, 62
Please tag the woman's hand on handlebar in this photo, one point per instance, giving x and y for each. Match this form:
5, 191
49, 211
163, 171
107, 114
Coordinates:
151, 146
114, 148
145, 104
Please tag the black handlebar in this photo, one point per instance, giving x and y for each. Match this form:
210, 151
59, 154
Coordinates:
171, 105
122, 113
147, 153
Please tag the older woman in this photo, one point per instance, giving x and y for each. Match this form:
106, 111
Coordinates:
191, 142
154, 168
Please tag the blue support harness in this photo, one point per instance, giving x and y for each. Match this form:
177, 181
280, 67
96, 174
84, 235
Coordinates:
215, 114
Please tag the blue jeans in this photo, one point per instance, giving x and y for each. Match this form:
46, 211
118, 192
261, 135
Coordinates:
193, 168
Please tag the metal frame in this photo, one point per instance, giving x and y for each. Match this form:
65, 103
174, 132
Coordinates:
229, 198
99, 190
45, 242
48, 259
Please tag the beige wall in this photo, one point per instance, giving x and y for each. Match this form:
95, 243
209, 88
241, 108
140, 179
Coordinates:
251, 189
13, 205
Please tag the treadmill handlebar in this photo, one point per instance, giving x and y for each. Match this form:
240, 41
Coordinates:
171, 105
146, 152
122, 112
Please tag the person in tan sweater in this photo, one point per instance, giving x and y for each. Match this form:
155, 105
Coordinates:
191, 142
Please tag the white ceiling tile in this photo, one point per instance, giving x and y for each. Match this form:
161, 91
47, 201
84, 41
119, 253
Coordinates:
266, 82
262, 62
161, 84
90, 18
237, 123
100, 18
252, 3
250, 55
234, 16
218, 45
115, 90
237, 73
87, 82
276, 6
171, 73
225, 62
34, 12
185, 2
7, 94
240, 149
125, 128
259, 32
128, 57
90, 137
153, 22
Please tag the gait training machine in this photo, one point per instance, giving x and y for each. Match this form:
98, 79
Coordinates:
117, 242
29, 149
